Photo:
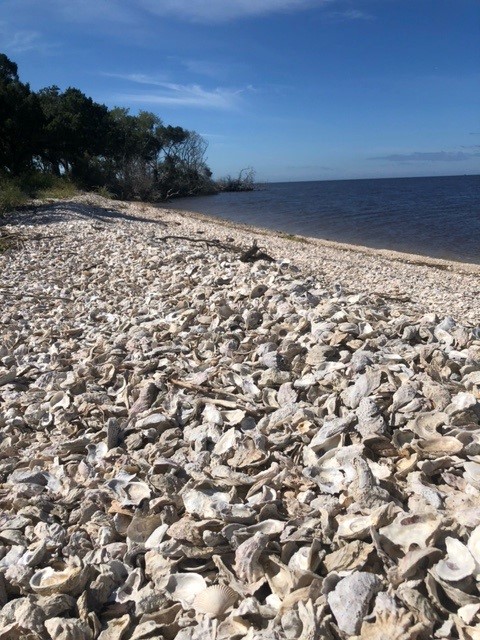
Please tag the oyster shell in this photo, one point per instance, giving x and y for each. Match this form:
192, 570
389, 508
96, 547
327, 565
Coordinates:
173, 418
49, 581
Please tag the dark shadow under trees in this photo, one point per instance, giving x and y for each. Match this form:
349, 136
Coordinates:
65, 210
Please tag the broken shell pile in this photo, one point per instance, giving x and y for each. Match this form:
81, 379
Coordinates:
193, 447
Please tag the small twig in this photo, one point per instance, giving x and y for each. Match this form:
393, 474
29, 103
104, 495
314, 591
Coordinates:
387, 296
228, 404
185, 384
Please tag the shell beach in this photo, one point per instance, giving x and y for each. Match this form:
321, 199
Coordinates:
197, 447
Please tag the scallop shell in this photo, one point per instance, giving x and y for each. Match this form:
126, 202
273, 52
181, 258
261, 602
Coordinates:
184, 587
215, 600
397, 625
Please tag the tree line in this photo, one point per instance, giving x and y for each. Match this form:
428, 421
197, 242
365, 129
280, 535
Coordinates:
69, 135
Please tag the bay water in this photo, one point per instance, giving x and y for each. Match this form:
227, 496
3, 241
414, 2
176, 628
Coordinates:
437, 217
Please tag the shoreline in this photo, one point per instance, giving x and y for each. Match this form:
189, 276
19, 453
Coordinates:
423, 284
418, 283
389, 254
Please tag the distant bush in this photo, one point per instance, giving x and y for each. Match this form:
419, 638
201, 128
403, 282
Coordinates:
58, 188
36, 184
15, 192
245, 181
11, 195
104, 193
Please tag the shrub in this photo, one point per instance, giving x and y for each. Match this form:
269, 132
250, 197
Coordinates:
245, 181
11, 195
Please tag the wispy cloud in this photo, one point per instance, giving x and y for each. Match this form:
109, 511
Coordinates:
22, 40
351, 14
429, 156
184, 95
213, 136
200, 11
225, 10
207, 68
139, 78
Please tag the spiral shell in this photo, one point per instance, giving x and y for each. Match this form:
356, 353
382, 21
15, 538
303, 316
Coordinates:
215, 600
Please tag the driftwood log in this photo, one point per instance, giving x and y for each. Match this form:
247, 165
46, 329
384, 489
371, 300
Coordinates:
252, 254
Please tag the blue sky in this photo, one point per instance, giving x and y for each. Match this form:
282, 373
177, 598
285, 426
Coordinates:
298, 89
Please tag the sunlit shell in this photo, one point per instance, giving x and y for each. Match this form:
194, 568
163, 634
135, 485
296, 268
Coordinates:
473, 544
184, 587
458, 564
412, 560
48, 581
472, 473
409, 530
439, 446
68, 629
426, 425
59, 400
116, 628
215, 600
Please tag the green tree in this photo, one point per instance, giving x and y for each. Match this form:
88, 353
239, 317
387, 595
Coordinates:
20, 121
74, 132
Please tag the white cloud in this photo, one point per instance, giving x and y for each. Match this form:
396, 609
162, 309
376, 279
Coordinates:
21, 40
129, 11
224, 10
182, 95
138, 78
351, 14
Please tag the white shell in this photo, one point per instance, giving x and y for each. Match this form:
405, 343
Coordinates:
459, 563
184, 587
215, 600
440, 446
68, 629
412, 529
473, 544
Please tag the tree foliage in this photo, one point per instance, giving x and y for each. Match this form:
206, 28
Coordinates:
21, 120
245, 181
66, 133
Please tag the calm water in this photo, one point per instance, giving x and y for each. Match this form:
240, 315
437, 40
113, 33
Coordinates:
437, 217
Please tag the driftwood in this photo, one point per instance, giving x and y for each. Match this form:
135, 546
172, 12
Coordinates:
247, 255
253, 254
210, 243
